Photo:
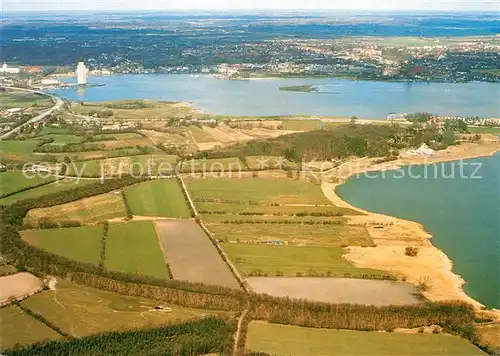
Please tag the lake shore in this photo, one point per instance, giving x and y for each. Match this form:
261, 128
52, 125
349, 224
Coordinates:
392, 235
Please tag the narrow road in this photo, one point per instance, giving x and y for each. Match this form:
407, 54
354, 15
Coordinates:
58, 103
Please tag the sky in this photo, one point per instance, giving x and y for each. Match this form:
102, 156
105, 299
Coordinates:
378, 5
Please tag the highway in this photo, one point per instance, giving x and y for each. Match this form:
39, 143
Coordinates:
58, 103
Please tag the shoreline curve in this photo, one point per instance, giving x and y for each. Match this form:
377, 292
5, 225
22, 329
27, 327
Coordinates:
392, 235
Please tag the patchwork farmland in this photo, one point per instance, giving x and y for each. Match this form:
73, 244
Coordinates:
191, 255
284, 228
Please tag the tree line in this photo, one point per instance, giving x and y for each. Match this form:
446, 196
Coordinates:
197, 337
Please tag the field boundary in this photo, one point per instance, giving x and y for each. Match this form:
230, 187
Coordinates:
41, 319
169, 270
30, 188
104, 238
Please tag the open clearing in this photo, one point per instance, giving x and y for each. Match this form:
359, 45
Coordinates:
20, 329
299, 341
16, 151
11, 181
58, 186
293, 260
77, 243
337, 290
133, 248
160, 198
260, 190
80, 310
18, 285
192, 256
96, 209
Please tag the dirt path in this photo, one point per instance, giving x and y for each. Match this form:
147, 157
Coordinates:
237, 336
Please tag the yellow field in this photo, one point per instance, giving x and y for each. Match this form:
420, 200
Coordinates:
86, 211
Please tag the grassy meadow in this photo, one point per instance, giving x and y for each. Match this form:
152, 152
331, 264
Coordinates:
335, 235
58, 186
231, 164
80, 310
259, 190
160, 198
298, 341
20, 329
13, 181
294, 261
77, 243
21, 99
95, 209
133, 247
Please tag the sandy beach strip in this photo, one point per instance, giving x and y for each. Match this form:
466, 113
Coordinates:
392, 235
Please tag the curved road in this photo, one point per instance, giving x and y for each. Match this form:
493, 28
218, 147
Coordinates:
58, 103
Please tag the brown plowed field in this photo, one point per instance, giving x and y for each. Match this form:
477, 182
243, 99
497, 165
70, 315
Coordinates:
191, 255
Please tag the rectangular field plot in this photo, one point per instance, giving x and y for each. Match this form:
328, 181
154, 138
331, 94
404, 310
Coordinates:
263, 209
18, 328
259, 190
133, 248
160, 198
293, 234
11, 181
299, 341
256, 260
77, 243
192, 256
58, 186
95, 209
81, 311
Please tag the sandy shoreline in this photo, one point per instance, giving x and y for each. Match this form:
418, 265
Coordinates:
392, 235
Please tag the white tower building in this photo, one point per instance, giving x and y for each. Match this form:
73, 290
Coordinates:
81, 73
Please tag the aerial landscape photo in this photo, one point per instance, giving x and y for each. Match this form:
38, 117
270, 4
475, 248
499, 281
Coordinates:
249, 178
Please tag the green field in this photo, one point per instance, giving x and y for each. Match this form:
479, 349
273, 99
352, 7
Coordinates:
162, 197
270, 209
14, 151
261, 190
59, 186
20, 99
19, 329
302, 125
77, 243
299, 341
485, 129
95, 209
47, 130
335, 235
80, 310
200, 135
139, 165
231, 164
11, 181
290, 260
133, 247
